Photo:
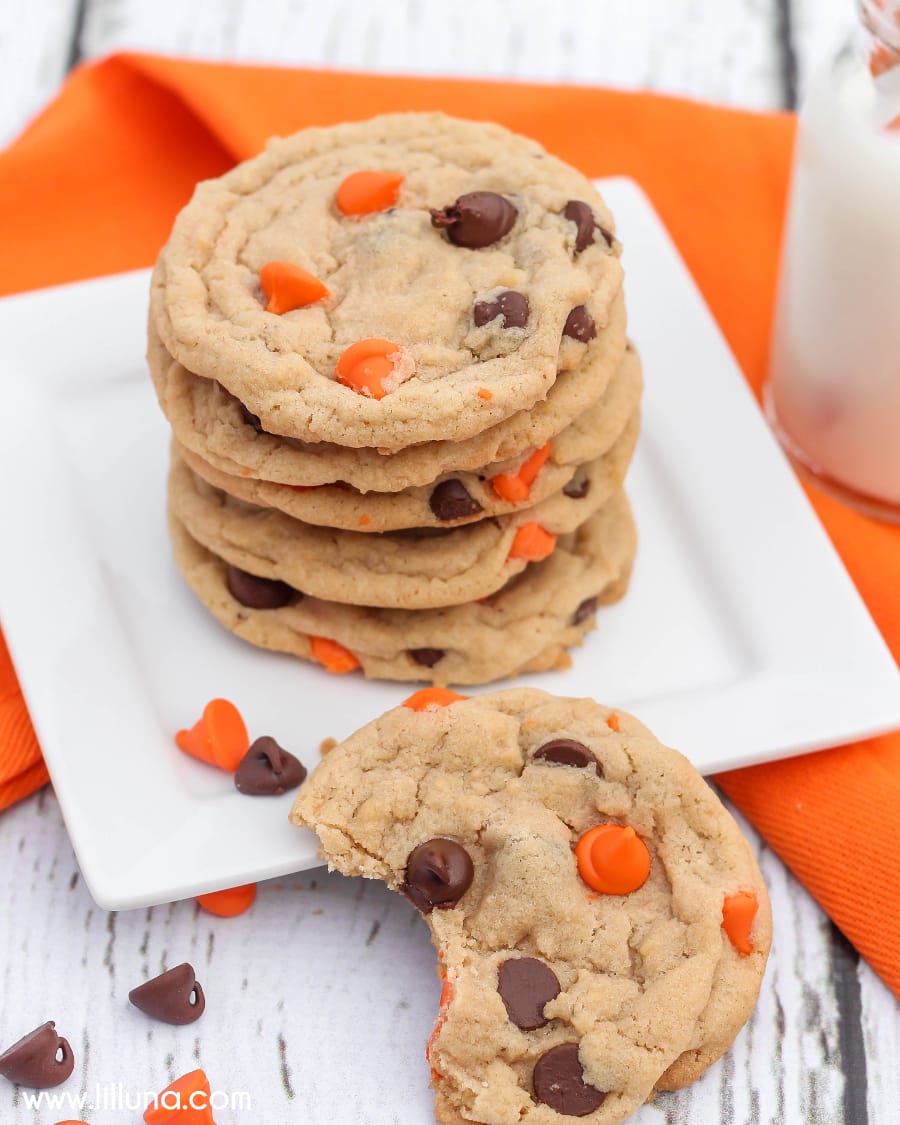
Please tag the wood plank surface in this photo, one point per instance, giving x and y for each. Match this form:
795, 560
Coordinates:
277, 1010
726, 52
36, 45
818, 28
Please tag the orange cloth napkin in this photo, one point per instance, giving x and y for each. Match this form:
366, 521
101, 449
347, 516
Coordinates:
92, 187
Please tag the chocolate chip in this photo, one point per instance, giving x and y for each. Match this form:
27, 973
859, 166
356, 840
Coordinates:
477, 219
580, 213
512, 306
251, 419
173, 997
255, 592
558, 1082
567, 752
525, 986
268, 771
580, 325
584, 611
578, 487
427, 656
450, 501
32, 1061
438, 874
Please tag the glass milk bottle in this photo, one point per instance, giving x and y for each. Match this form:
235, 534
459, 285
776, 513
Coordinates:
834, 382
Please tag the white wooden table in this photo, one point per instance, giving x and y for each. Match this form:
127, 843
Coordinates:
824, 1045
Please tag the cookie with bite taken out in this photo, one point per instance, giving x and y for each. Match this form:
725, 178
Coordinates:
602, 925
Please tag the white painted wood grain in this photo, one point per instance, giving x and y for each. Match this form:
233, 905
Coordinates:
722, 52
725, 52
34, 53
329, 976
819, 26
881, 1029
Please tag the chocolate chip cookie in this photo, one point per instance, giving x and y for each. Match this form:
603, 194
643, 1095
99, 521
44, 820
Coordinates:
527, 626
213, 424
421, 568
601, 924
378, 284
452, 499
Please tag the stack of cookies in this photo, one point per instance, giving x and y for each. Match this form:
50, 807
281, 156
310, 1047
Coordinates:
393, 355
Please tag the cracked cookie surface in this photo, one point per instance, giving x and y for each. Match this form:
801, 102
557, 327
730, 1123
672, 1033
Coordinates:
560, 1000
340, 506
420, 568
214, 425
397, 274
528, 625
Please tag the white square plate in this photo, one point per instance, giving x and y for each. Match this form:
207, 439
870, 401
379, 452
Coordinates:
741, 639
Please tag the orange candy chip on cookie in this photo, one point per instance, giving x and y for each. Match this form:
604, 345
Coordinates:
218, 738
335, 657
738, 912
516, 487
287, 287
532, 543
363, 192
432, 699
612, 859
373, 367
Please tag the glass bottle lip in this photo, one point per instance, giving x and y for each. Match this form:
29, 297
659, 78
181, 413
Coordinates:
881, 18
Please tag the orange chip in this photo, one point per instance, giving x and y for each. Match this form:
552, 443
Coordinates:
613, 722
484, 393
738, 912
230, 902
287, 287
184, 1102
432, 699
516, 487
532, 543
219, 737
881, 60
446, 997
333, 656
612, 859
365, 519
369, 366
363, 192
